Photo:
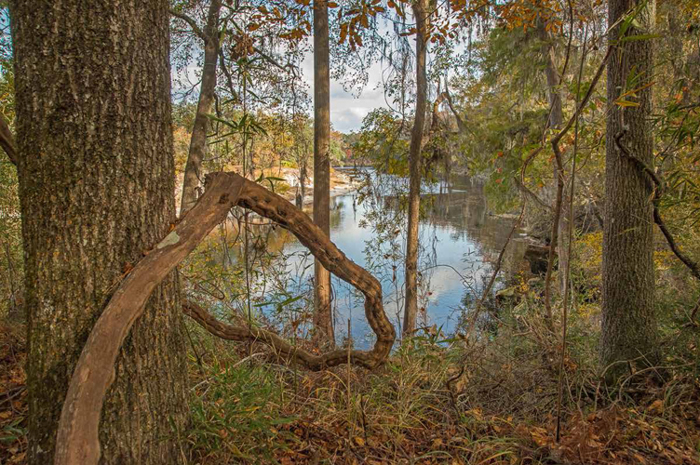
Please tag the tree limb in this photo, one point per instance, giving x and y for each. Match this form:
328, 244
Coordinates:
463, 128
280, 346
78, 441
7, 141
191, 22
691, 264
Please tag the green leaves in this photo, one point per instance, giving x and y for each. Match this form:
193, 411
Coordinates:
640, 37
247, 125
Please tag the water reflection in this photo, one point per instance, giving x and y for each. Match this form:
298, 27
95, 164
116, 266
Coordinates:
459, 241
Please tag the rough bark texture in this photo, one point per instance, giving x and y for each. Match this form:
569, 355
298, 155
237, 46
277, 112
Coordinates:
323, 316
94, 144
629, 330
414, 161
198, 143
77, 438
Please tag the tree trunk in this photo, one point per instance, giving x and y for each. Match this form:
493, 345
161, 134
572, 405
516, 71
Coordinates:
94, 142
629, 330
198, 143
556, 120
414, 161
556, 116
323, 316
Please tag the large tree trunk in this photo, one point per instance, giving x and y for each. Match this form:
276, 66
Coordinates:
94, 142
414, 160
323, 316
198, 143
629, 331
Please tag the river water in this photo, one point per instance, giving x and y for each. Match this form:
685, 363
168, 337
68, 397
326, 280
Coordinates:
460, 240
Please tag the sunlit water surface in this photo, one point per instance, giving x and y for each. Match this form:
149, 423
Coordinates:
460, 240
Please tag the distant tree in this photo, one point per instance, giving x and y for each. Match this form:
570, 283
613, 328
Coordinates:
210, 35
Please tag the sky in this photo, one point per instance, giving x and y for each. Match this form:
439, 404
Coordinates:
347, 110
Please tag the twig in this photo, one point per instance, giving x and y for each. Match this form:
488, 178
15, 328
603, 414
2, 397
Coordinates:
567, 271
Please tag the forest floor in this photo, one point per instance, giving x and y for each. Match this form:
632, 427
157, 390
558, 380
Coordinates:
423, 408
420, 408
13, 393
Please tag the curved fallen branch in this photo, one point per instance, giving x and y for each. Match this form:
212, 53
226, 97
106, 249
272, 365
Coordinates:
78, 441
282, 348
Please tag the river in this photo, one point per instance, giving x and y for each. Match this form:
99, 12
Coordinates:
460, 240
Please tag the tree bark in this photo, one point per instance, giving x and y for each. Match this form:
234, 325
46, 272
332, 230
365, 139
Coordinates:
556, 116
629, 329
323, 315
94, 145
414, 161
555, 122
198, 142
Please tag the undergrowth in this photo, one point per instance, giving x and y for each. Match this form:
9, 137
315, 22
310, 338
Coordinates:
493, 401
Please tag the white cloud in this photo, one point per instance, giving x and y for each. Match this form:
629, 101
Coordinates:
347, 111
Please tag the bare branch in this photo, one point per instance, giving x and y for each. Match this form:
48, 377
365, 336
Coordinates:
280, 346
191, 22
691, 264
7, 141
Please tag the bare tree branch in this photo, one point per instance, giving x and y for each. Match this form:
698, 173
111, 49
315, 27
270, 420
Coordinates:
280, 346
191, 22
7, 141
691, 264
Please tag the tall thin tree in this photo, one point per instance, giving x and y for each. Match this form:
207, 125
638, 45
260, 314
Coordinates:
555, 122
323, 316
198, 142
95, 156
629, 332
420, 12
